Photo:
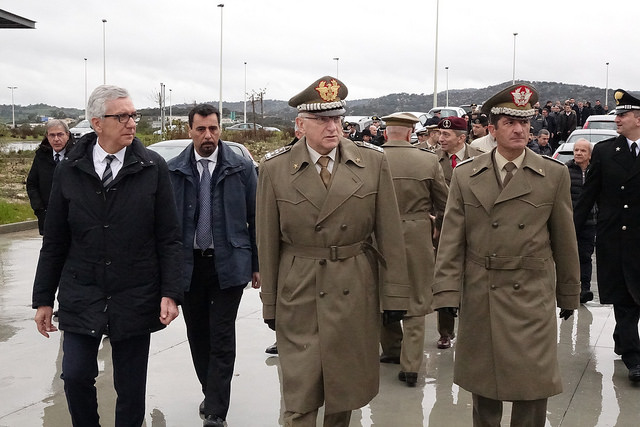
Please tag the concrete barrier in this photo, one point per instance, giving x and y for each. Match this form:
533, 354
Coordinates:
18, 226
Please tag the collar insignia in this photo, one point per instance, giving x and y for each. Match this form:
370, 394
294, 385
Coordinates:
617, 148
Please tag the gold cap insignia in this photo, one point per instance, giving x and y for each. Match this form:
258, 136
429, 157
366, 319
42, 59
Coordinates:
328, 92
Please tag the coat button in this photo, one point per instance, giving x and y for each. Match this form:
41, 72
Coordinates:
493, 287
322, 261
105, 226
622, 187
494, 225
520, 226
624, 228
626, 206
318, 227
343, 227
107, 262
345, 292
516, 286
494, 255
322, 293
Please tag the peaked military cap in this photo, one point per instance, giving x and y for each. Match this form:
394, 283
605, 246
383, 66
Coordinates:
375, 118
453, 123
482, 119
515, 101
421, 130
625, 102
324, 97
407, 120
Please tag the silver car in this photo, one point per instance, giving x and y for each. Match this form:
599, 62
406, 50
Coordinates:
81, 129
564, 153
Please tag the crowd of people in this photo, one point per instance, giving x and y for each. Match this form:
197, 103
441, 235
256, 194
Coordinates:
352, 238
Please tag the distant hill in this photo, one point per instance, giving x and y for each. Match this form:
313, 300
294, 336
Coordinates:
278, 113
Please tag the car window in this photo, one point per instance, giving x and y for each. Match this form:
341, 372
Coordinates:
601, 125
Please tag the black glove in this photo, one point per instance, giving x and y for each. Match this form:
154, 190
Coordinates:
565, 313
451, 311
391, 316
271, 323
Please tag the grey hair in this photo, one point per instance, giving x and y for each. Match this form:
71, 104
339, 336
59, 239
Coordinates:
544, 132
100, 96
55, 123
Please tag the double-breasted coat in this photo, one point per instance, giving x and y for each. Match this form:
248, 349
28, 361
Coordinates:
421, 190
319, 277
445, 161
506, 258
613, 182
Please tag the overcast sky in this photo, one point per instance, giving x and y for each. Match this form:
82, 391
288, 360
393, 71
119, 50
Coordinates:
383, 47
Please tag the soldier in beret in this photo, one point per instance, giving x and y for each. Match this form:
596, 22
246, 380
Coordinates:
613, 182
420, 190
319, 203
507, 257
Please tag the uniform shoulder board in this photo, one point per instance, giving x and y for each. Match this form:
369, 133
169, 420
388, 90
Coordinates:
275, 153
469, 160
551, 158
371, 146
426, 150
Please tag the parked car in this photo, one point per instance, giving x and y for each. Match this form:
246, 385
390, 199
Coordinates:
171, 148
250, 126
597, 121
81, 129
564, 153
448, 112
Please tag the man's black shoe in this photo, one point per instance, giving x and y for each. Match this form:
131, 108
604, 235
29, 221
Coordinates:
390, 359
634, 374
586, 296
272, 349
411, 378
213, 421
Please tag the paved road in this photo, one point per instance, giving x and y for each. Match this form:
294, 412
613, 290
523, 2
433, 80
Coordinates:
597, 391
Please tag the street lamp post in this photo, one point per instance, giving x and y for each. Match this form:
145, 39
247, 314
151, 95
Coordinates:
245, 92
221, 6
85, 88
337, 62
447, 70
606, 89
513, 80
170, 111
13, 111
104, 52
435, 61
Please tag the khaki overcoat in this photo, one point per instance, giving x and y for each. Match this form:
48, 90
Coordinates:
506, 259
318, 282
420, 189
445, 162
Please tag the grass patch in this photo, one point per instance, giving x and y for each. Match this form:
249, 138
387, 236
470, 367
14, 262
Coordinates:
15, 212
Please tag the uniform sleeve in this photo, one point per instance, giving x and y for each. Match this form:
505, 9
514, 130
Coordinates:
268, 239
439, 193
450, 259
250, 195
564, 245
394, 287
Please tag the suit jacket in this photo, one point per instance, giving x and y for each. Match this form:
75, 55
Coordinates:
613, 182
445, 161
506, 258
319, 277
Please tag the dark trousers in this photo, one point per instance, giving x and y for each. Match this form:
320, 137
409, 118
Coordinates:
210, 315
80, 369
625, 334
586, 243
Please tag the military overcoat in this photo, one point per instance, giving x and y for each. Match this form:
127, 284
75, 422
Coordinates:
506, 258
613, 183
319, 277
420, 189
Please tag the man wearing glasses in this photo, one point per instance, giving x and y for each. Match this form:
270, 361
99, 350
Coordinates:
319, 202
111, 250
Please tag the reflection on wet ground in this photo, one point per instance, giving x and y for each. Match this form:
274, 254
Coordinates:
596, 389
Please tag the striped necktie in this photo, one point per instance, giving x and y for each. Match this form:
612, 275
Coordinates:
107, 176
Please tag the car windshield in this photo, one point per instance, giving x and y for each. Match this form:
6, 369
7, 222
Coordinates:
83, 124
602, 125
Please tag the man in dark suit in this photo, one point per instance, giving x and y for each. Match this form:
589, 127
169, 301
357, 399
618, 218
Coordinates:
215, 192
613, 182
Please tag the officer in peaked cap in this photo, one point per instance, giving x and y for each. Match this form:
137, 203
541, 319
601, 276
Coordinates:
421, 191
479, 126
494, 246
319, 203
613, 182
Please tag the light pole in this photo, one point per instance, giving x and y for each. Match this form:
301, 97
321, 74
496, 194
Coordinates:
13, 111
337, 62
104, 52
85, 89
170, 111
221, 6
606, 89
513, 81
245, 92
447, 70
435, 61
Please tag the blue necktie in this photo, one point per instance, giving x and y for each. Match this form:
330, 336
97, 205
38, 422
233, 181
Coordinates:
107, 176
204, 234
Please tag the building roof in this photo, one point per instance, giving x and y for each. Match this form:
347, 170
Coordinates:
9, 20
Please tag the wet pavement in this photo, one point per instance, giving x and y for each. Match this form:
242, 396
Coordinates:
596, 389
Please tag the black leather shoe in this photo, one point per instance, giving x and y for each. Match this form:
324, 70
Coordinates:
586, 296
213, 421
411, 378
201, 408
390, 359
634, 374
444, 342
272, 349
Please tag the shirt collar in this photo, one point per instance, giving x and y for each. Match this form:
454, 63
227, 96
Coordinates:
212, 158
315, 155
100, 154
501, 160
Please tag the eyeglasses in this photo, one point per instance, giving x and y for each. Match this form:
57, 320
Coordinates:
124, 118
325, 120
56, 135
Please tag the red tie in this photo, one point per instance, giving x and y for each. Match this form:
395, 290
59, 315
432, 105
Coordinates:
453, 161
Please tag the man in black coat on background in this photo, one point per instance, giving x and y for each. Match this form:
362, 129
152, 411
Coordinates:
613, 182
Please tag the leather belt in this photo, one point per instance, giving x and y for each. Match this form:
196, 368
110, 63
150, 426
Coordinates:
511, 262
332, 253
207, 253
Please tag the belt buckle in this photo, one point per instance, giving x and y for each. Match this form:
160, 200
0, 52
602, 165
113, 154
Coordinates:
487, 262
333, 253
